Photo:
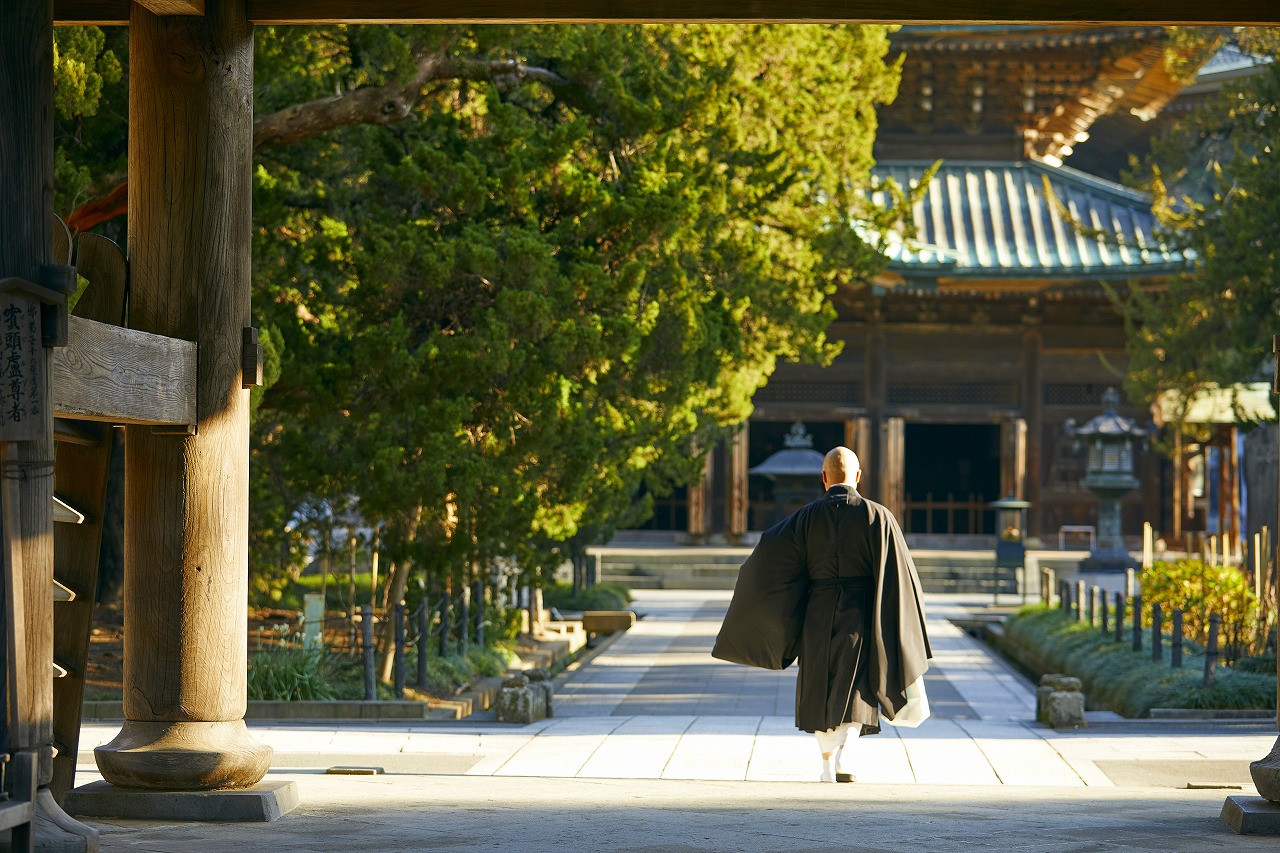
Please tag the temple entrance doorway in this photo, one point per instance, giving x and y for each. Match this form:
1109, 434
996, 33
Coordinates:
950, 473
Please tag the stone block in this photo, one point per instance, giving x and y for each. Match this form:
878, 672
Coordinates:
540, 680
518, 702
607, 621
1251, 815
1065, 709
263, 802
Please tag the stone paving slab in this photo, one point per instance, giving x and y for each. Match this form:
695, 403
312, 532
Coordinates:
655, 748
520, 815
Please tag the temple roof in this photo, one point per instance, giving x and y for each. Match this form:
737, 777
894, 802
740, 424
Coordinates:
1019, 92
985, 220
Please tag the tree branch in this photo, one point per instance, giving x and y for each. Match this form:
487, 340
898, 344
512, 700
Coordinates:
390, 103
386, 104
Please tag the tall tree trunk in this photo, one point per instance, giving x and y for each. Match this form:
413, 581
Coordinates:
399, 581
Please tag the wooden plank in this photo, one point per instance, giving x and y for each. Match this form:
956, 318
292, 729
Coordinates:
80, 477
173, 7
1225, 12
66, 513
123, 376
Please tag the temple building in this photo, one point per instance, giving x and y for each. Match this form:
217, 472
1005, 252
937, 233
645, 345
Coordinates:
991, 325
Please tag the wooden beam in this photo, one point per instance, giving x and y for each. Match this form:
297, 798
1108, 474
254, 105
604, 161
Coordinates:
123, 376
173, 7
1226, 12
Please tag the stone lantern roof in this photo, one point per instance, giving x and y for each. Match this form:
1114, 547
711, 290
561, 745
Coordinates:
796, 459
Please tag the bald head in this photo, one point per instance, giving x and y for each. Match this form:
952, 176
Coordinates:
841, 465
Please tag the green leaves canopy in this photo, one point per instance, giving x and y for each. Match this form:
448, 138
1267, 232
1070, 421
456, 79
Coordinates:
508, 276
1216, 181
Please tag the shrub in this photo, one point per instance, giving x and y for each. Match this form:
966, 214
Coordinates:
292, 674
1045, 640
602, 596
1199, 590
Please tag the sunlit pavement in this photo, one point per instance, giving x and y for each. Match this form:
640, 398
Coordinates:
653, 731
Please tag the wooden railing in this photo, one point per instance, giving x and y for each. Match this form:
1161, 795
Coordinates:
952, 516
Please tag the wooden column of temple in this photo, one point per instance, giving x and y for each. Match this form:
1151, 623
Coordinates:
26, 223
874, 383
736, 495
1032, 393
186, 495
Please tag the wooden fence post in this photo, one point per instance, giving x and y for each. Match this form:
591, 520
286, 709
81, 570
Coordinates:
1157, 623
446, 613
370, 676
1119, 597
464, 621
1080, 601
1175, 644
1102, 599
1211, 650
478, 597
1137, 623
424, 635
398, 660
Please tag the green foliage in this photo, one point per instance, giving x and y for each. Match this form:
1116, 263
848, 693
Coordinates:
449, 674
551, 286
1199, 590
293, 674
502, 317
602, 596
1044, 640
91, 102
1216, 182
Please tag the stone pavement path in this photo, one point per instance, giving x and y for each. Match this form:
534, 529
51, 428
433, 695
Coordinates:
653, 704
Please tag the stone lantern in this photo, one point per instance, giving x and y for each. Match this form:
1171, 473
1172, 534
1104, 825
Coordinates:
1111, 441
1011, 551
796, 472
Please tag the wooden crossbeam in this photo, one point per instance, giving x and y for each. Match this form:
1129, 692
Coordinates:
1242, 12
124, 376
173, 7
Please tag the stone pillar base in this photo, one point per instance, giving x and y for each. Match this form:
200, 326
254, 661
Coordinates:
263, 802
1251, 815
186, 756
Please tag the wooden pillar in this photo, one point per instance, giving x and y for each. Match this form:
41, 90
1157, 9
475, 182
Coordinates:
1013, 457
26, 247
872, 486
186, 496
699, 493
26, 233
736, 495
1179, 485
1033, 417
891, 465
1233, 483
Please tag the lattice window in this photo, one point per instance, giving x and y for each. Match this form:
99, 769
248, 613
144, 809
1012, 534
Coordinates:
954, 394
1073, 394
810, 392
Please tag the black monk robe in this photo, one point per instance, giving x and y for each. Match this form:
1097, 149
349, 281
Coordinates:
833, 584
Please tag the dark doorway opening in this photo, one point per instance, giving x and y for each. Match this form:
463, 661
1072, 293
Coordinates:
952, 473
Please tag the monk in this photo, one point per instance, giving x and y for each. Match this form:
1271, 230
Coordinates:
833, 584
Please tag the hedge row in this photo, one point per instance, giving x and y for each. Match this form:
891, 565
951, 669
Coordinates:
1117, 678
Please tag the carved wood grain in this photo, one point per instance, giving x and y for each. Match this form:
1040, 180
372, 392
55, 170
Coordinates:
123, 376
186, 497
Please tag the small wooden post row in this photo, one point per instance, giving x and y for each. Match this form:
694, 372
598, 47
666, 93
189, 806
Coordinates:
1072, 603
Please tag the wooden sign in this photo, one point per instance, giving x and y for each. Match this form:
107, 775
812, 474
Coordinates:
23, 415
